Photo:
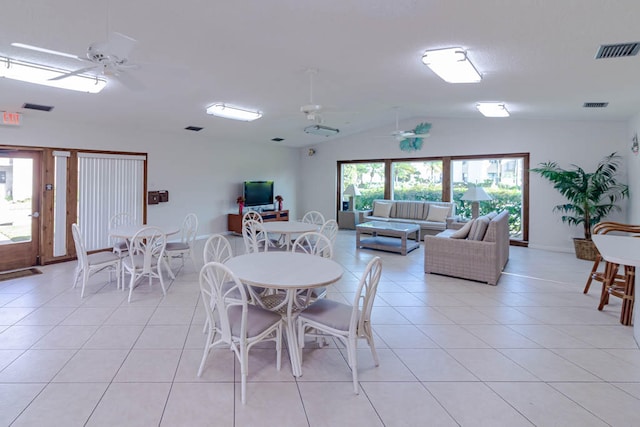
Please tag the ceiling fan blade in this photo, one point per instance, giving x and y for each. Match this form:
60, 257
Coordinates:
129, 81
44, 50
120, 45
74, 73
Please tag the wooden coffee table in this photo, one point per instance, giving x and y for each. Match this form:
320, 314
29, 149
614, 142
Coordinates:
388, 236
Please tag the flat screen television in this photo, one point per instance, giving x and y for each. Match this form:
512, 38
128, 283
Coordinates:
258, 193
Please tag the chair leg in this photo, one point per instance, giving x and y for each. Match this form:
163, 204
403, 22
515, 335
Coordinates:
610, 278
244, 367
207, 349
594, 271
352, 348
131, 284
164, 291
369, 336
76, 276
85, 279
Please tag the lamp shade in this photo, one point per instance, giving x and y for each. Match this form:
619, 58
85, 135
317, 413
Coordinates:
352, 191
475, 194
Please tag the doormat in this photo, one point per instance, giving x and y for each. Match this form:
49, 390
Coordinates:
20, 273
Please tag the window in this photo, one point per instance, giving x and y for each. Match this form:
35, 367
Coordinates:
368, 178
417, 180
504, 177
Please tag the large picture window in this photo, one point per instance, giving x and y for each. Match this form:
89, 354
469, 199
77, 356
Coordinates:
503, 176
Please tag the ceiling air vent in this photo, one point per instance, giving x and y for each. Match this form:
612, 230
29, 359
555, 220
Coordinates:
37, 107
595, 104
194, 128
619, 50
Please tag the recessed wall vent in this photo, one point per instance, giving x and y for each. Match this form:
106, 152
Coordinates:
37, 107
619, 50
277, 139
194, 128
595, 104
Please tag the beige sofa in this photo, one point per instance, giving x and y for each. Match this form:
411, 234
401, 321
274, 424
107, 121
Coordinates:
431, 221
475, 257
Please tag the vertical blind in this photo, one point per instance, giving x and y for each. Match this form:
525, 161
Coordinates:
107, 184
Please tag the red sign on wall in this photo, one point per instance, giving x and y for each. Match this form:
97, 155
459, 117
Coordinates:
10, 119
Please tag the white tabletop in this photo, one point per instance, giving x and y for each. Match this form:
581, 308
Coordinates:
285, 270
623, 250
288, 227
128, 231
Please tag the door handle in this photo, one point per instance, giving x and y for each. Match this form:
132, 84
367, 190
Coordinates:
35, 215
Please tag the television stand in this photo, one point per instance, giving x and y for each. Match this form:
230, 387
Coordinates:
234, 221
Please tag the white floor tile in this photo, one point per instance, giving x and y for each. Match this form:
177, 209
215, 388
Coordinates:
533, 350
62, 405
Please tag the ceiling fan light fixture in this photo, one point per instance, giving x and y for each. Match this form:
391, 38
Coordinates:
492, 109
452, 65
231, 112
321, 130
43, 75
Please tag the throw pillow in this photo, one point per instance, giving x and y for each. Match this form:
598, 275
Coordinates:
479, 228
463, 232
438, 213
381, 209
492, 214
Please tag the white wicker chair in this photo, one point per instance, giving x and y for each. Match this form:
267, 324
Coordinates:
184, 247
314, 243
120, 246
330, 229
145, 255
88, 265
313, 217
326, 317
240, 325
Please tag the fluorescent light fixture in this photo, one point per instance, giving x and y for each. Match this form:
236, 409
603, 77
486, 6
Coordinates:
42, 75
492, 109
321, 130
43, 50
231, 112
451, 65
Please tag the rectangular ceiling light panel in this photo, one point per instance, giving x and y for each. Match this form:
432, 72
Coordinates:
42, 75
236, 113
492, 109
451, 65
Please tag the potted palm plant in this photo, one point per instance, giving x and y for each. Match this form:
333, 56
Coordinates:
591, 195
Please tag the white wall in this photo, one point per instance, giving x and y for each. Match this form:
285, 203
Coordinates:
566, 142
633, 166
203, 176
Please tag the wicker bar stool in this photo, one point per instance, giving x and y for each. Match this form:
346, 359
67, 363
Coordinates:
600, 276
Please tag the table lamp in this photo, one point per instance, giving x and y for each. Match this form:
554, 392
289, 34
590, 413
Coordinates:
351, 191
475, 194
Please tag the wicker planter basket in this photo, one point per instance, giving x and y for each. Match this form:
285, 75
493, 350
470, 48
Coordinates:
585, 249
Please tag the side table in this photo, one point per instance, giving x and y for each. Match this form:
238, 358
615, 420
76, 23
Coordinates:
349, 219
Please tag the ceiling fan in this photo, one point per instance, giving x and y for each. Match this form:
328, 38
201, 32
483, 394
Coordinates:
311, 110
411, 140
109, 58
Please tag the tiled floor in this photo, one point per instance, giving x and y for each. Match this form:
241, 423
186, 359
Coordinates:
531, 351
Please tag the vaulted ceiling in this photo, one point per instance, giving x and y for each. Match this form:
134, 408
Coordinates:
536, 56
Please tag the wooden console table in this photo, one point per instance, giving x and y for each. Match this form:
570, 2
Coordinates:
234, 221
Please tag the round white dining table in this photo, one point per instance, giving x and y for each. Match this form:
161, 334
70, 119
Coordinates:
289, 271
287, 228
